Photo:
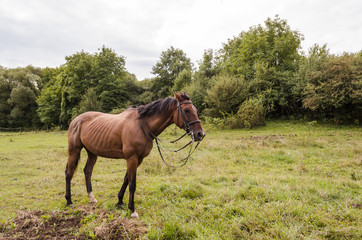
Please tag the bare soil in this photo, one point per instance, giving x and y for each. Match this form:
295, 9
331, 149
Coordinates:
65, 224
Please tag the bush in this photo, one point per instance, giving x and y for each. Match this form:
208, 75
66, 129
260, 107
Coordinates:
197, 93
334, 89
251, 113
225, 96
214, 123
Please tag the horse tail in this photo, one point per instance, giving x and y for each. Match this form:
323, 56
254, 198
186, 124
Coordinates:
74, 145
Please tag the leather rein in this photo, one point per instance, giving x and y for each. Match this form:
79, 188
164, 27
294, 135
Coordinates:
188, 131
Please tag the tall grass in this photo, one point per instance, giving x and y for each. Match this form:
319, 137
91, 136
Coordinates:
287, 180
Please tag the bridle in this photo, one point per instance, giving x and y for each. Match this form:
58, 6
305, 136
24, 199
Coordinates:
188, 131
186, 123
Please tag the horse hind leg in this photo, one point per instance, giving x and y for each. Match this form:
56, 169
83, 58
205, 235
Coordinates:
73, 159
88, 170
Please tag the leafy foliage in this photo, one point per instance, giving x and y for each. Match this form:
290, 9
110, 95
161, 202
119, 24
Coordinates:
89, 102
267, 57
172, 62
183, 79
49, 101
208, 66
334, 88
251, 113
5, 109
226, 95
197, 93
19, 89
103, 71
274, 45
22, 100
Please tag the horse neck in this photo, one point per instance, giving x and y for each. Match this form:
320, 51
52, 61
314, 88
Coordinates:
157, 124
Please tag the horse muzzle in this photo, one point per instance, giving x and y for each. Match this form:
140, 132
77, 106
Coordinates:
198, 136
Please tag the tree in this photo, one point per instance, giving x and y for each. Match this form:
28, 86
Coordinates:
183, 79
207, 67
109, 77
172, 62
267, 57
5, 108
49, 101
22, 100
19, 88
89, 102
201, 80
103, 71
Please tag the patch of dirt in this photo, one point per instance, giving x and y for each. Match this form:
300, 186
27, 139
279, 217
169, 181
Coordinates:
66, 224
357, 205
269, 137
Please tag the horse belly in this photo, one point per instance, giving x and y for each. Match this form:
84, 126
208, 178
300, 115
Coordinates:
102, 140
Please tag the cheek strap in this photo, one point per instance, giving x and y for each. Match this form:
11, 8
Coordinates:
179, 112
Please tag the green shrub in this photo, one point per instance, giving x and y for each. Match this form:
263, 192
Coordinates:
214, 123
251, 113
225, 95
197, 93
334, 89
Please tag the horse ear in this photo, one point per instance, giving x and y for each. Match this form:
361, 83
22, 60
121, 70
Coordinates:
177, 96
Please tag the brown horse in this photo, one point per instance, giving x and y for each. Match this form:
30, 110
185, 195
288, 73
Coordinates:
124, 136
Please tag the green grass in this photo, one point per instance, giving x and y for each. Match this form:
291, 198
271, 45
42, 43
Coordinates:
287, 180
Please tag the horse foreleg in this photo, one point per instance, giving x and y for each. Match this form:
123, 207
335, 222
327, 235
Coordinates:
132, 164
122, 191
88, 170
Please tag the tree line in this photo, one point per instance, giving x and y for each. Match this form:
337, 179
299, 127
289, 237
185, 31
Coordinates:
260, 73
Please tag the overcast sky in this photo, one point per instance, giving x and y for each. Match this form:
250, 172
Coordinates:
43, 32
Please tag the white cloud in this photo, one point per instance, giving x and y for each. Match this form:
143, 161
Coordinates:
43, 32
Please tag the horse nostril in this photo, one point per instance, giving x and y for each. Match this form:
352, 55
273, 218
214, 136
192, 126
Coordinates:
200, 135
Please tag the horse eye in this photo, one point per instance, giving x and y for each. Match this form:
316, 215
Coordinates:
187, 111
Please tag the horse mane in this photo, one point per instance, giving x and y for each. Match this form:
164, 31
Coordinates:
158, 106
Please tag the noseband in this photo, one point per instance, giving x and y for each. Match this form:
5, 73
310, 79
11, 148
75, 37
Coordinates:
188, 131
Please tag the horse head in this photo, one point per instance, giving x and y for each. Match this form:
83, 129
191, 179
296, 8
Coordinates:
185, 117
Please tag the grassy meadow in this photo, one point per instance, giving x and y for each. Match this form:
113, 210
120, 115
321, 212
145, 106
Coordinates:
287, 180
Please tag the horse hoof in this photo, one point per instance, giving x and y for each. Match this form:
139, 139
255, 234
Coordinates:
92, 199
119, 206
135, 215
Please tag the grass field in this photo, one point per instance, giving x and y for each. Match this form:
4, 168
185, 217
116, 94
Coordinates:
287, 180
